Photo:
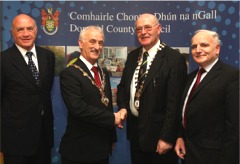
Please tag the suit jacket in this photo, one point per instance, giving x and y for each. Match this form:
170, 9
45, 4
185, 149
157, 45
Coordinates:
22, 102
160, 99
212, 117
90, 129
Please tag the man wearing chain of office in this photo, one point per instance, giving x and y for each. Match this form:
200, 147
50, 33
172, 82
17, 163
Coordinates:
149, 94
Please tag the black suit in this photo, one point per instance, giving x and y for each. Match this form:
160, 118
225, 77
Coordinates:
22, 102
160, 99
90, 129
212, 118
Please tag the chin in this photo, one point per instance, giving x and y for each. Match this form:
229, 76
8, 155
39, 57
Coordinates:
145, 44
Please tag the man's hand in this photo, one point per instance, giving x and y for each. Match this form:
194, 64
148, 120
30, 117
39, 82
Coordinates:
120, 117
123, 113
180, 148
163, 147
118, 120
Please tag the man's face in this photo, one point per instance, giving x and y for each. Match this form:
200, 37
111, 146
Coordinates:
24, 31
204, 49
91, 46
147, 30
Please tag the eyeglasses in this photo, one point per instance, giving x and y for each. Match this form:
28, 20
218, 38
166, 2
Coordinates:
146, 28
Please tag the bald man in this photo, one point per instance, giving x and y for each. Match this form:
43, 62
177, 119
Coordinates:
27, 74
151, 100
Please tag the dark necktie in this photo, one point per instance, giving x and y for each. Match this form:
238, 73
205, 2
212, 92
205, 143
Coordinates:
141, 77
200, 72
96, 76
142, 70
33, 67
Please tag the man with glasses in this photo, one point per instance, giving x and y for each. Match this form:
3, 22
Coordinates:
149, 95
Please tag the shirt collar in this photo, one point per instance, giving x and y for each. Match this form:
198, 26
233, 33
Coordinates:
89, 65
24, 51
209, 67
152, 51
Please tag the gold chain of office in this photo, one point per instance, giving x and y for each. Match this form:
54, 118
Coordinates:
104, 98
140, 88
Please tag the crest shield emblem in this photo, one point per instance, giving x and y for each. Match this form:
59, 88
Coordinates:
50, 25
50, 21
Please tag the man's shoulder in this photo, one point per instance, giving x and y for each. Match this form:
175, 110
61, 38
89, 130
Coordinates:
227, 67
7, 54
172, 50
43, 49
73, 67
12, 48
45, 52
135, 51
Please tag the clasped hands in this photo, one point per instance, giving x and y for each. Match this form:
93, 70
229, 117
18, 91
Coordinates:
120, 117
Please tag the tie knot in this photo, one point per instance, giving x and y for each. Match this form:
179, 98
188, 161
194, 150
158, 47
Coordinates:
95, 69
201, 71
29, 54
145, 53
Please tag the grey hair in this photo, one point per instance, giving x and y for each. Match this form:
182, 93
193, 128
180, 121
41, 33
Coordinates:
89, 28
212, 33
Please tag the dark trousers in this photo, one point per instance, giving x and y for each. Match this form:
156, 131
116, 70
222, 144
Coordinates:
67, 161
42, 156
141, 157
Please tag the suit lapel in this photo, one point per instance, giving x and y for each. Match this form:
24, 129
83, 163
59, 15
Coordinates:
157, 63
80, 63
22, 66
189, 82
210, 76
42, 64
132, 66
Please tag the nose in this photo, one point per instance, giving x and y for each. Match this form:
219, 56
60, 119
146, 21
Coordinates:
143, 30
198, 48
96, 46
25, 32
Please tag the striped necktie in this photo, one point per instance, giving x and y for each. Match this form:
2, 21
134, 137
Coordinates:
142, 71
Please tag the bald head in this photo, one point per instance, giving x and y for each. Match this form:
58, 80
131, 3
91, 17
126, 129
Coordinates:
151, 17
148, 30
24, 31
22, 17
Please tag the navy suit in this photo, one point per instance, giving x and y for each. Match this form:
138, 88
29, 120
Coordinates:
212, 118
90, 130
22, 102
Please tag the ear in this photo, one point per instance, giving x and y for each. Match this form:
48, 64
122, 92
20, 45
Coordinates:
80, 43
159, 27
218, 49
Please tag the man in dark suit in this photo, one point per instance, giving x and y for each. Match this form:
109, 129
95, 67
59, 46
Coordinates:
210, 132
152, 105
90, 133
26, 106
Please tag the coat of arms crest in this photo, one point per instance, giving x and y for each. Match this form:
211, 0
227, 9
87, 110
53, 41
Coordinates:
50, 21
